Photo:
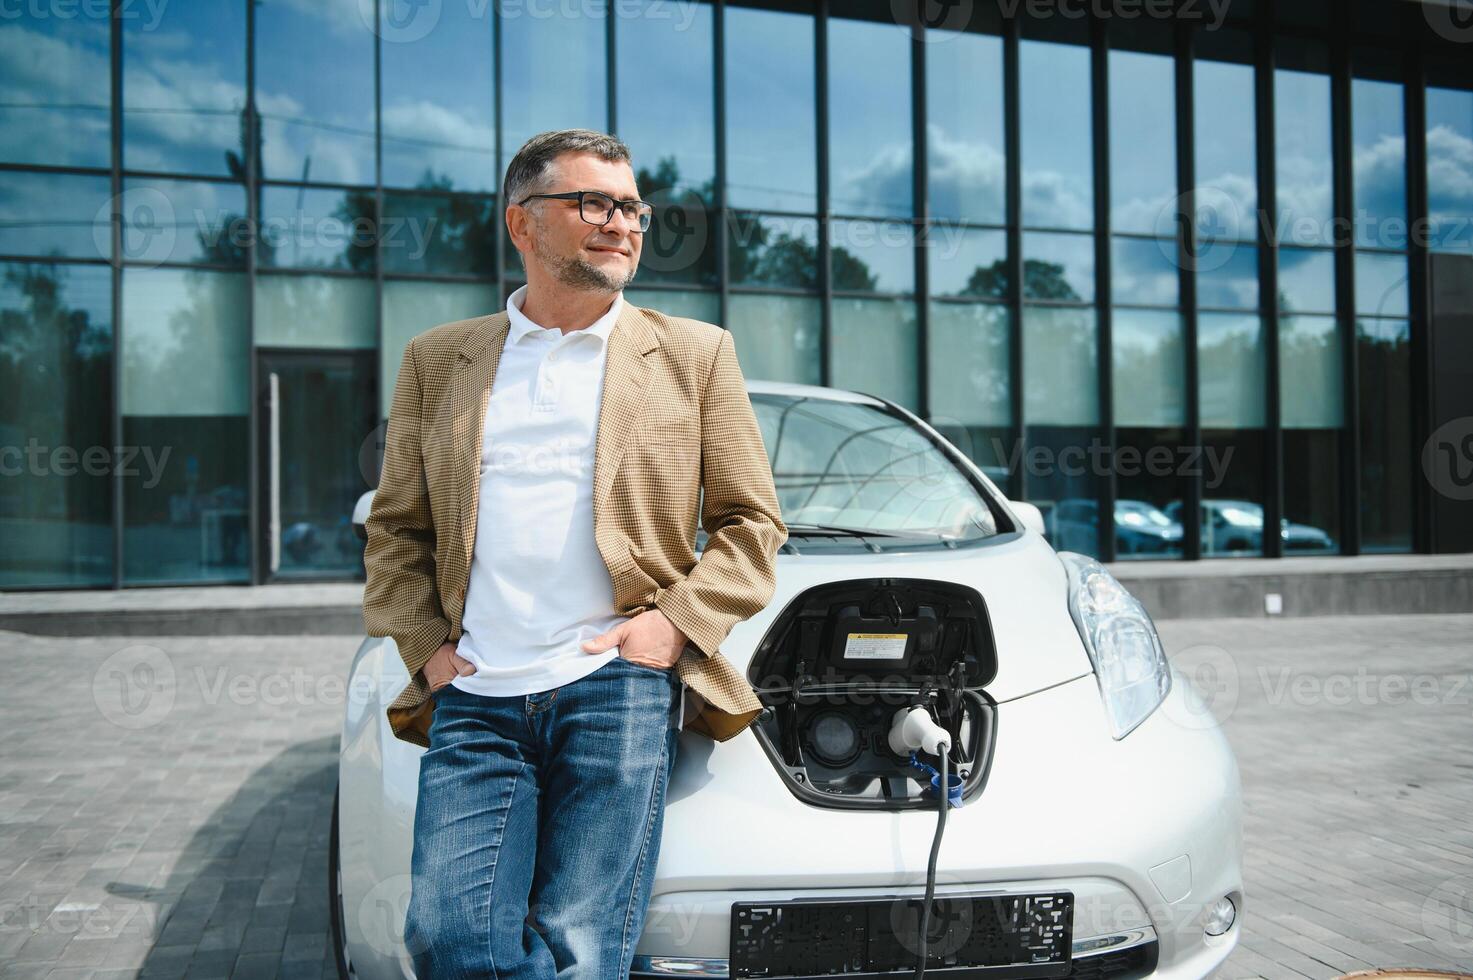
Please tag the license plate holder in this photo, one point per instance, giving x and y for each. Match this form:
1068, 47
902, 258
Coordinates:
971, 934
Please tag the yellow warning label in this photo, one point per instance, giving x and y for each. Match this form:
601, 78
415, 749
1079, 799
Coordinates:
875, 646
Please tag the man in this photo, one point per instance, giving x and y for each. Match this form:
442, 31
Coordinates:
531, 551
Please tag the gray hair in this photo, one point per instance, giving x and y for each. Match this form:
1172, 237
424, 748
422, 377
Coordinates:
532, 169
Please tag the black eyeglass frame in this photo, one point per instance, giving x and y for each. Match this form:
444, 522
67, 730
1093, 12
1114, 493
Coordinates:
640, 226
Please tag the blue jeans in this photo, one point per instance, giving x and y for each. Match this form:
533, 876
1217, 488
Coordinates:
537, 827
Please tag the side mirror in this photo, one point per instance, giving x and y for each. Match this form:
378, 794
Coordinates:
360, 515
1029, 516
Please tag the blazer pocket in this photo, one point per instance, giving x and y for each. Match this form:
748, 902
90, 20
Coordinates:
673, 431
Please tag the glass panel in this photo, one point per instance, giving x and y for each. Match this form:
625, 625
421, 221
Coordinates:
314, 90
411, 308
678, 85
1149, 369
1381, 284
771, 117
1143, 271
1227, 183
1228, 277
446, 235
1380, 163
874, 348
776, 337
1059, 267
1151, 475
1306, 280
55, 85
324, 412
314, 311
184, 88
873, 256
1061, 378
678, 302
967, 262
871, 168
1142, 139
1305, 157
772, 250
56, 442
1232, 493
1064, 467
439, 96
1231, 370
680, 245
316, 228
536, 100
1449, 173
55, 214
1057, 149
1385, 435
968, 366
965, 160
184, 221
1311, 373
185, 353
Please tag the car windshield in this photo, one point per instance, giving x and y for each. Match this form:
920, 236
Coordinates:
858, 466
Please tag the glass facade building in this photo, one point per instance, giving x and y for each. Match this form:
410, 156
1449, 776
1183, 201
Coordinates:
1177, 280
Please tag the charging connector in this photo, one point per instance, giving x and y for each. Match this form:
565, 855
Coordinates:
913, 728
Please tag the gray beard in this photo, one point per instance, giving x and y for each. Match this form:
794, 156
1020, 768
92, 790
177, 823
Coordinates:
583, 275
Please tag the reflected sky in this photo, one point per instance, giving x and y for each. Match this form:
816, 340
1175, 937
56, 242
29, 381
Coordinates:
537, 99
667, 94
1379, 132
1450, 168
871, 171
314, 91
1057, 149
184, 88
1305, 157
771, 150
1142, 140
1225, 147
55, 89
439, 102
965, 158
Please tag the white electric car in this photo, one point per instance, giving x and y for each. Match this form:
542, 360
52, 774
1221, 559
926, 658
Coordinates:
1096, 830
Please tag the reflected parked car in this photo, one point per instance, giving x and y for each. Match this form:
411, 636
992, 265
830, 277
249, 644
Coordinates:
1141, 528
1237, 526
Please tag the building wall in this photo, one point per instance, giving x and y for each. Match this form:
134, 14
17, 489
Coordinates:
1173, 269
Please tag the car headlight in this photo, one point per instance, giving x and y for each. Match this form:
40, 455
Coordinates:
1121, 640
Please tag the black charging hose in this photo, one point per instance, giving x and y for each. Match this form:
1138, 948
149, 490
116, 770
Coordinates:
944, 792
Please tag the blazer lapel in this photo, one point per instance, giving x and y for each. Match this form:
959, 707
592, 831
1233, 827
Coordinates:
627, 371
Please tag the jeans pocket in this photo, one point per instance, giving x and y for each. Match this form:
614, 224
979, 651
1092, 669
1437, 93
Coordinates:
661, 671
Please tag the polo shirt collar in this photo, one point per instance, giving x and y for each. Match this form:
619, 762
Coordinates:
521, 326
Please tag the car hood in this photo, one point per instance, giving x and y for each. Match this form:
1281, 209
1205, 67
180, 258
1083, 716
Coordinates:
1022, 581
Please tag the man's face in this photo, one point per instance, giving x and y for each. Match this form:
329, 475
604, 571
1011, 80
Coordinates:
550, 233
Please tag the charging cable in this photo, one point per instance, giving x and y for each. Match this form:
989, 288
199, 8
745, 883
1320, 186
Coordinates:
912, 729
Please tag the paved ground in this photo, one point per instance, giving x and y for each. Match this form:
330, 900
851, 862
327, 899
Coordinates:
185, 835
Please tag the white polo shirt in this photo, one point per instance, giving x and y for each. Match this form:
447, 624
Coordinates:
538, 586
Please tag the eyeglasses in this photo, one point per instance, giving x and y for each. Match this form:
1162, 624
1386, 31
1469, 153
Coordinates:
597, 208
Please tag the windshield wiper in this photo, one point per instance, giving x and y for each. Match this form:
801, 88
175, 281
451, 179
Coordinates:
854, 532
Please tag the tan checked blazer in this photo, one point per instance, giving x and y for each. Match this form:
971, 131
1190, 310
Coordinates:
675, 418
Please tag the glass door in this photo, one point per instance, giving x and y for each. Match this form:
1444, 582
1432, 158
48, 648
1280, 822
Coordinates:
317, 415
